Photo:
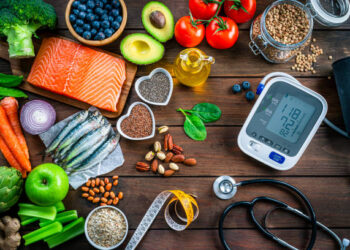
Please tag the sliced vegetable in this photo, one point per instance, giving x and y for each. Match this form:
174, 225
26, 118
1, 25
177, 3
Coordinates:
63, 217
42, 233
70, 231
12, 92
194, 127
31, 210
59, 206
208, 112
10, 158
37, 117
10, 81
28, 220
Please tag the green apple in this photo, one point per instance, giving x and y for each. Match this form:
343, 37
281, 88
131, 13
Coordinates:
47, 184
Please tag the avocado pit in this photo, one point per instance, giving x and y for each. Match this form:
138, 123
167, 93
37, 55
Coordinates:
157, 19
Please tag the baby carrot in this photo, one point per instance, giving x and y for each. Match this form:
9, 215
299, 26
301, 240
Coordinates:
10, 105
11, 141
10, 158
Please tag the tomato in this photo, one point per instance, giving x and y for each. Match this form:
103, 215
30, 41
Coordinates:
222, 33
201, 9
240, 11
187, 33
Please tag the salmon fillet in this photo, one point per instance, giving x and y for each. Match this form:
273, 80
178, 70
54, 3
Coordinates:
76, 71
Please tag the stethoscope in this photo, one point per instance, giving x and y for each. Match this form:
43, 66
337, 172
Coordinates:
225, 188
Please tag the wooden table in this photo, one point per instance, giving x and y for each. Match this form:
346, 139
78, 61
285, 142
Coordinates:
322, 173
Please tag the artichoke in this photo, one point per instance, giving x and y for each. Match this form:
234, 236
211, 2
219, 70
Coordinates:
11, 183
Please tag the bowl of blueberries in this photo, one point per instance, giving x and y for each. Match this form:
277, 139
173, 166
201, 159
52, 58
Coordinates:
96, 22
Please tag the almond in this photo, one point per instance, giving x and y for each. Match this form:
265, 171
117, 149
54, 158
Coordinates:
168, 157
178, 158
166, 138
169, 172
170, 142
190, 162
154, 166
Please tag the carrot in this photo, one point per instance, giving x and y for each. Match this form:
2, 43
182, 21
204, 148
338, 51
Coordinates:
10, 105
11, 141
10, 158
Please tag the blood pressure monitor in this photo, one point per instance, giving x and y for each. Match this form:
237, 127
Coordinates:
282, 123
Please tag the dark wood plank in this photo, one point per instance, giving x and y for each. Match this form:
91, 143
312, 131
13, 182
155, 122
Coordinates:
179, 8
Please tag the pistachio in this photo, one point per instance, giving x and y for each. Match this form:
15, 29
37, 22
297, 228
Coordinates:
157, 146
163, 129
149, 156
174, 166
161, 169
161, 156
157, 19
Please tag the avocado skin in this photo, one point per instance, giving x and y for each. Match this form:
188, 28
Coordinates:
156, 53
167, 32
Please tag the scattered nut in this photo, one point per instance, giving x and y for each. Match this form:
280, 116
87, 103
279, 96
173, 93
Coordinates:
174, 166
149, 156
169, 172
170, 142
154, 166
330, 57
161, 156
178, 158
166, 138
190, 162
157, 146
143, 167
168, 157
161, 169
163, 129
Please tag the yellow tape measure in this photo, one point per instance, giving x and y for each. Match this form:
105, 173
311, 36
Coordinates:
188, 203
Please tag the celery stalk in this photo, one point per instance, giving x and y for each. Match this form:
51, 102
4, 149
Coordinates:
61, 217
29, 220
59, 206
31, 210
70, 231
42, 233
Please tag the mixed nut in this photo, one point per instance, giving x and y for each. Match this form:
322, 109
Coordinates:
100, 191
170, 154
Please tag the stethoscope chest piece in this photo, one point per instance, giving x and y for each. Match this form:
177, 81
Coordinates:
224, 187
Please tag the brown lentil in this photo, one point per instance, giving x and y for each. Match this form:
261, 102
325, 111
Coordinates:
139, 123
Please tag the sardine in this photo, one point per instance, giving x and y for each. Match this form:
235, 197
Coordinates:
88, 141
78, 118
93, 122
98, 155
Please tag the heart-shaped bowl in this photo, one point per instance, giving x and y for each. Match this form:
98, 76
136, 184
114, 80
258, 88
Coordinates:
143, 78
121, 119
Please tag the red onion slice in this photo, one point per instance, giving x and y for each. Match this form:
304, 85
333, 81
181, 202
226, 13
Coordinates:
37, 117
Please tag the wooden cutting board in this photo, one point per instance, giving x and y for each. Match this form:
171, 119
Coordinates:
23, 66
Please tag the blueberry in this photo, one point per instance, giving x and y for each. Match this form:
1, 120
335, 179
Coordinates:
104, 17
82, 7
115, 3
75, 26
76, 12
236, 88
104, 1
246, 85
99, 4
100, 36
90, 17
105, 24
115, 25
90, 4
108, 7
75, 4
119, 19
72, 18
99, 11
82, 1
93, 32
115, 12
250, 96
79, 22
87, 35
79, 30
110, 19
87, 26
95, 24
108, 32
89, 10
82, 15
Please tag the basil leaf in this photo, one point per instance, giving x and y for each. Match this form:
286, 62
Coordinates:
194, 127
208, 112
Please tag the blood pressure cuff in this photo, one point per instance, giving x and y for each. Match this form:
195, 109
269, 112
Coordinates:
341, 71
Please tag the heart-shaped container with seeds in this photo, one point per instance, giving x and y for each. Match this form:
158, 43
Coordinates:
137, 122
146, 85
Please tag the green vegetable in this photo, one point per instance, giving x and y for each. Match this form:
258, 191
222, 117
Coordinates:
12, 92
10, 80
19, 21
37, 211
42, 233
11, 183
70, 231
208, 112
59, 206
28, 220
61, 217
194, 127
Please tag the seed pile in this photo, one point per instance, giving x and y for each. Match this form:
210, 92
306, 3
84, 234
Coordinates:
171, 155
305, 63
139, 123
106, 227
287, 24
100, 191
155, 89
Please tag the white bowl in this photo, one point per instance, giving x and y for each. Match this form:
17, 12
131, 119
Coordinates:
119, 122
93, 243
143, 78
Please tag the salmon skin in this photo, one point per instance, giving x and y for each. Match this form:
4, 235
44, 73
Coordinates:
76, 71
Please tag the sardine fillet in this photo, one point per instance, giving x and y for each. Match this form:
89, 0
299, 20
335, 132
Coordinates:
76, 71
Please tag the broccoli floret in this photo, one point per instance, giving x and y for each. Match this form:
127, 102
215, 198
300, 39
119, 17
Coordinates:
19, 21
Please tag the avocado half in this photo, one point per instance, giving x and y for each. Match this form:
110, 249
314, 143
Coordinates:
161, 34
141, 49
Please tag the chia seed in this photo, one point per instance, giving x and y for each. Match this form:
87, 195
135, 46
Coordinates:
139, 123
155, 89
